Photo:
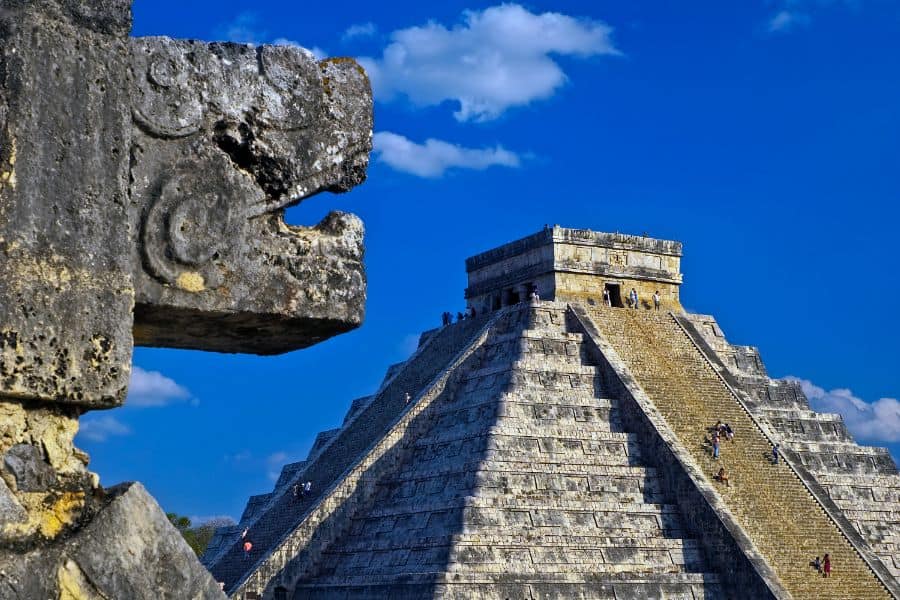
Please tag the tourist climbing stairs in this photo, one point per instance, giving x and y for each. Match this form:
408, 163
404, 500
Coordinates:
785, 522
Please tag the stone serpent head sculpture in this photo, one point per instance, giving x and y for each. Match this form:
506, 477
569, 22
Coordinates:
142, 189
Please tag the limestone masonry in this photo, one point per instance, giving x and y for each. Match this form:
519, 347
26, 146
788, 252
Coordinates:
575, 264
556, 449
142, 189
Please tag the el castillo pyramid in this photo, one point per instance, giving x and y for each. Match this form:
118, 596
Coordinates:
558, 447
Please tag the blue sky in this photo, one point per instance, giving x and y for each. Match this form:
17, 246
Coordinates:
765, 135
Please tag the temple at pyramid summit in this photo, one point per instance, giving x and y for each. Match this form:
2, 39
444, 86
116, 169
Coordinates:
559, 444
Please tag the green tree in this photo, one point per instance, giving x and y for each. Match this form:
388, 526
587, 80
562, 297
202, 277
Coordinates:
197, 537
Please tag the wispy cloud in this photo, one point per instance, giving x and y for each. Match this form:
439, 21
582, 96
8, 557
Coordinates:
435, 157
244, 28
785, 20
152, 388
100, 428
359, 30
317, 53
791, 15
495, 59
877, 421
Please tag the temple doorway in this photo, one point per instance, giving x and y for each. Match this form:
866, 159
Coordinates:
615, 295
512, 297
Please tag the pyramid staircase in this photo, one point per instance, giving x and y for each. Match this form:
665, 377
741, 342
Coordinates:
770, 502
523, 486
862, 481
512, 478
270, 517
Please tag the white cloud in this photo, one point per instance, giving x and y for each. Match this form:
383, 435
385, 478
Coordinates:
877, 421
152, 388
786, 20
495, 59
246, 29
359, 30
317, 53
434, 157
796, 14
243, 29
101, 428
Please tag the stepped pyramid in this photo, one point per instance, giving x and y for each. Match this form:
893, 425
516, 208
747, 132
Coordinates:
556, 449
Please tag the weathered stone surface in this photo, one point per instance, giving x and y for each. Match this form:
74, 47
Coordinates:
128, 550
508, 476
142, 189
31, 472
576, 264
65, 266
10, 509
226, 136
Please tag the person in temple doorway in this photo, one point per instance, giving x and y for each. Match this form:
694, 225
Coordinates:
606, 297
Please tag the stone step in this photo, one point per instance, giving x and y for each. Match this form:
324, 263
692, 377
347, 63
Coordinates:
492, 464
489, 484
562, 510
529, 437
496, 559
517, 538
556, 578
563, 410
534, 368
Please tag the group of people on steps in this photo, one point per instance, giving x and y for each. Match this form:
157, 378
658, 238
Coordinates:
724, 430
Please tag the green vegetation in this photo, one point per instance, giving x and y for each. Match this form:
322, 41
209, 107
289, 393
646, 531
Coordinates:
197, 537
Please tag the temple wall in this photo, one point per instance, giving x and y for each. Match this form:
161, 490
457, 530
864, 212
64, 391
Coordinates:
575, 264
582, 287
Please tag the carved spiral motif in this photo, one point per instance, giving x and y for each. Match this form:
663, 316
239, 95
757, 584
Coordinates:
166, 98
190, 225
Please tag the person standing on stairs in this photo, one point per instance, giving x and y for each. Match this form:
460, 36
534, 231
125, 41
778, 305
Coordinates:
633, 296
656, 300
826, 566
715, 444
775, 455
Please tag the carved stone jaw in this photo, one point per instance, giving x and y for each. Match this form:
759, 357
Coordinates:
226, 136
